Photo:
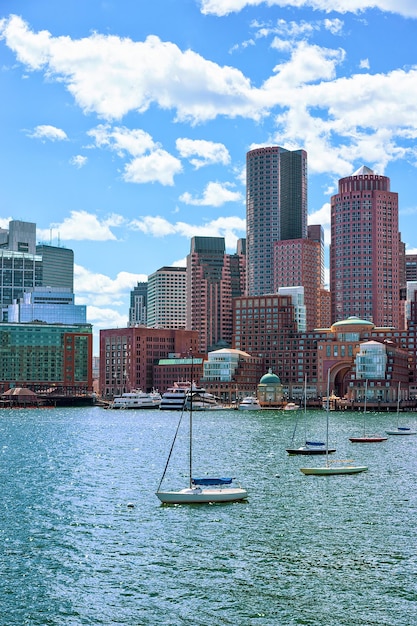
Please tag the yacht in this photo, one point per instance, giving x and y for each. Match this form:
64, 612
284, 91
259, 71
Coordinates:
249, 404
202, 400
137, 399
174, 397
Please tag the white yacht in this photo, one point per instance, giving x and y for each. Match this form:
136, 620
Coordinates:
137, 399
250, 403
174, 397
202, 400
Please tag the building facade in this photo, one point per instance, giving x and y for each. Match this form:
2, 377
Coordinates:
167, 298
365, 249
45, 357
128, 356
214, 279
276, 209
138, 305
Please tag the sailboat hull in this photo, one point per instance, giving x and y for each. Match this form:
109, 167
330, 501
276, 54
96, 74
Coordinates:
401, 432
370, 439
309, 451
202, 496
328, 471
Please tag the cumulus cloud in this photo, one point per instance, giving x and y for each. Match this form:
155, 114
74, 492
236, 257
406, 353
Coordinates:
231, 228
150, 163
100, 290
204, 152
215, 194
225, 7
78, 160
81, 225
45, 131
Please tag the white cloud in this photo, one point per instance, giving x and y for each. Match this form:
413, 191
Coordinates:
322, 217
158, 166
45, 131
100, 290
215, 194
78, 160
207, 152
364, 64
82, 225
407, 8
231, 228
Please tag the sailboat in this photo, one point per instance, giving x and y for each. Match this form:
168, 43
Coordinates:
365, 438
199, 490
400, 430
331, 469
309, 447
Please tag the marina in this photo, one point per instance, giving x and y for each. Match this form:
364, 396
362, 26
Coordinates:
85, 540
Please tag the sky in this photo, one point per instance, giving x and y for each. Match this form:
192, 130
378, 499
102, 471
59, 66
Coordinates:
124, 124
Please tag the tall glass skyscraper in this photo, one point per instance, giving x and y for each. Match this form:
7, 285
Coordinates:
276, 209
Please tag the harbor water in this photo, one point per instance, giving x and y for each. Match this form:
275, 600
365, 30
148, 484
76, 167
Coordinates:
86, 541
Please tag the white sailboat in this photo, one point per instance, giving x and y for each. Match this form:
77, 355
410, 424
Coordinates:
366, 438
331, 468
309, 447
203, 490
400, 430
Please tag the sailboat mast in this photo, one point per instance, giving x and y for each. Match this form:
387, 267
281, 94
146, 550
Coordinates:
327, 417
191, 422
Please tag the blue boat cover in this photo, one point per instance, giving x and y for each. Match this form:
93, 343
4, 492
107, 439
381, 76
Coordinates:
314, 443
403, 428
212, 481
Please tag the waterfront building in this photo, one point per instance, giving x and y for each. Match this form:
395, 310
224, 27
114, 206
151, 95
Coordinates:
128, 356
276, 209
231, 374
365, 250
167, 297
214, 279
46, 357
269, 392
138, 305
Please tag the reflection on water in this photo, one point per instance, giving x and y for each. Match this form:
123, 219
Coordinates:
336, 550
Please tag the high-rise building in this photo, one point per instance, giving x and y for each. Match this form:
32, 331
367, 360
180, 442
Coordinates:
167, 295
214, 278
411, 267
365, 249
57, 266
138, 305
276, 209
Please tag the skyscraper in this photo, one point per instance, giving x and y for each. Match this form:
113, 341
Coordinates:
276, 209
365, 249
138, 305
167, 298
213, 279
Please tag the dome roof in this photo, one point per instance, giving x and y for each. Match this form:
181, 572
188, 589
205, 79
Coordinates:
270, 379
353, 323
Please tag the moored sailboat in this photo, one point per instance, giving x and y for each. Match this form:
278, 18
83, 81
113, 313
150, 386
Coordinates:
367, 438
331, 468
400, 430
202, 490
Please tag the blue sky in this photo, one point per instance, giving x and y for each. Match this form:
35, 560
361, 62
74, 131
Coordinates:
125, 123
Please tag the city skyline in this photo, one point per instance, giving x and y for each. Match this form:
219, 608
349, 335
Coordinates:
124, 162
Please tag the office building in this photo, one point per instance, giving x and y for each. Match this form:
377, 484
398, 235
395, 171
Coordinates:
365, 249
214, 279
411, 267
42, 357
138, 305
276, 209
128, 356
57, 266
167, 297
47, 304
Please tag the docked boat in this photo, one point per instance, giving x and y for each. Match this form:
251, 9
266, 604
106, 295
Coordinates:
137, 399
250, 403
202, 400
175, 397
291, 406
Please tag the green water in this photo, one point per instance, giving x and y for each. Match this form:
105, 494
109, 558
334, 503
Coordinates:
333, 551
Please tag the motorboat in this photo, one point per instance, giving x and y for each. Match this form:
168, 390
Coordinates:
174, 397
202, 400
137, 399
291, 406
249, 403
